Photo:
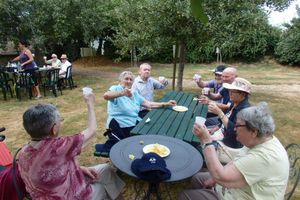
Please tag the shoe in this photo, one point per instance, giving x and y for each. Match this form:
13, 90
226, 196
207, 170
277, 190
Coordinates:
38, 97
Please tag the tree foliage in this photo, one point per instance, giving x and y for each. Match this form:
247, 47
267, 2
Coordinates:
288, 49
53, 25
150, 28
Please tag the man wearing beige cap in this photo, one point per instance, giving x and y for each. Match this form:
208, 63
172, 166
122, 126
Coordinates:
64, 65
53, 62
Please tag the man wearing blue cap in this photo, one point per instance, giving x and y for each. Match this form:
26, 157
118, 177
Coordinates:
215, 84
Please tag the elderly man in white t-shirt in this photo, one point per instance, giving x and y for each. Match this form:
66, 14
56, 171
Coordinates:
64, 65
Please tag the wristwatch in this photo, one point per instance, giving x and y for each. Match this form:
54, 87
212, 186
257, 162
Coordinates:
203, 146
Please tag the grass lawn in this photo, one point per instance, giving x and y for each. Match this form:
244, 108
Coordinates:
278, 85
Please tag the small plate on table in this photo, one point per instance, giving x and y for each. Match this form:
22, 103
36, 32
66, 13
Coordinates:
159, 149
180, 108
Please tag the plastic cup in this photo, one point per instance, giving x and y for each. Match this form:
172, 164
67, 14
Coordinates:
205, 90
200, 120
197, 77
161, 78
87, 90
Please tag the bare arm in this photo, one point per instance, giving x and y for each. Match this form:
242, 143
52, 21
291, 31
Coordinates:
92, 124
201, 83
223, 107
16, 59
48, 61
227, 176
110, 95
151, 104
205, 100
215, 96
213, 108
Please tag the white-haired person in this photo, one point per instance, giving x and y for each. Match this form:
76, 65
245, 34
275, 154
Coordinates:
145, 85
239, 91
64, 65
53, 62
228, 76
48, 164
259, 171
123, 106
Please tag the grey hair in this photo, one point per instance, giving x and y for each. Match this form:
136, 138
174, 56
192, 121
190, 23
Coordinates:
39, 119
260, 118
145, 64
125, 73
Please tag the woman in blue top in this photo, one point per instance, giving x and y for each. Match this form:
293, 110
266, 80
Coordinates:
123, 107
27, 63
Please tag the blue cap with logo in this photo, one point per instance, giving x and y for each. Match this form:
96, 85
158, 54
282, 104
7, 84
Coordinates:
151, 167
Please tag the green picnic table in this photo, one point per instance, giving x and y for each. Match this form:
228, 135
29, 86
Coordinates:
166, 121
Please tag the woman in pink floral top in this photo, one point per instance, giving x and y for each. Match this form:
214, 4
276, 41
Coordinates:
48, 163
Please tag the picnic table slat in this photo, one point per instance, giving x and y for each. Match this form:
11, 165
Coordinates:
183, 125
166, 121
161, 118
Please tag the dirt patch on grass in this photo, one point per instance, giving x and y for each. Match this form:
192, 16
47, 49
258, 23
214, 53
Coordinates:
94, 72
97, 61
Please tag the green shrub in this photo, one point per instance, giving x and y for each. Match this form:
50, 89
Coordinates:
288, 49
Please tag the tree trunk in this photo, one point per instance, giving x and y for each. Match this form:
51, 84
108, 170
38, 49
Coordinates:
181, 65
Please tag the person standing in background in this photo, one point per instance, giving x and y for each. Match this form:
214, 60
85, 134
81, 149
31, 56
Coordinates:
27, 63
215, 84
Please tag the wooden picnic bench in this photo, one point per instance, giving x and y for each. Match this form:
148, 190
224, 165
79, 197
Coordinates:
166, 121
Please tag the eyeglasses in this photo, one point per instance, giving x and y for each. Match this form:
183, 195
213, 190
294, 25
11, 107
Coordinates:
239, 125
63, 58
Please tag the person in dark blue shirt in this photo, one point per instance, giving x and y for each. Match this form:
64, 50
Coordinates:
239, 91
228, 76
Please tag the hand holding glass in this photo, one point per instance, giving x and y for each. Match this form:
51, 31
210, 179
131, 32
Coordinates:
200, 120
87, 90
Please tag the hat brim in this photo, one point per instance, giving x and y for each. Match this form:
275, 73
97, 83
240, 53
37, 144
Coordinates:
233, 87
219, 73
